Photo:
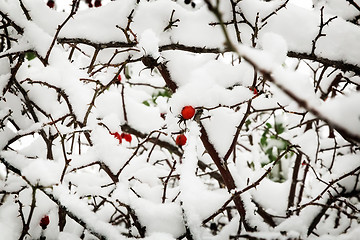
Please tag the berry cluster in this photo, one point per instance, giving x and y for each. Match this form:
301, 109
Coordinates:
190, 2
97, 3
187, 113
126, 136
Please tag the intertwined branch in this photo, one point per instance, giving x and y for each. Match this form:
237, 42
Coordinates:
60, 133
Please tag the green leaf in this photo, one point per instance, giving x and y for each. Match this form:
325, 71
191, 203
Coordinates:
30, 55
251, 165
263, 140
279, 128
165, 93
146, 103
127, 73
247, 124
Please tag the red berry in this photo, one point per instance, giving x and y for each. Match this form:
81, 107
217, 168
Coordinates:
255, 91
89, 3
51, 4
97, 3
117, 136
119, 78
44, 222
187, 112
126, 136
181, 140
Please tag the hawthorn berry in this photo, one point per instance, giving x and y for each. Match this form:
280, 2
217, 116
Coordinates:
163, 115
117, 136
126, 136
187, 112
44, 222
51, 4
97, 3
180, 140
119, 78
255, 91
89, 3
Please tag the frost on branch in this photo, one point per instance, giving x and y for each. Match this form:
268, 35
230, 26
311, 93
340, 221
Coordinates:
179, 119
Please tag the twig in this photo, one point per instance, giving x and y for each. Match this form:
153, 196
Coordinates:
275, 12
171, 22
227, 177
237, 31
322, 25
141, 229
238, 129
72, 13
188, 233
101, 46
353, 3
329, 185
123, 102
167, 181
91, 66
253, 185
26, 12
294, 181
178, 46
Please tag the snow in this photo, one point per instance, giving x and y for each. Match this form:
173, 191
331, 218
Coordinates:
340, 8
71, 92
269, 192
149, 42
78, 207
137, 112
275, 45
168, 217
40, 39
4, 78
44, 172
299, 26
91, 23
10, 225
296, 83
302, 3
219, 136
158, 235
349, 119
69, 236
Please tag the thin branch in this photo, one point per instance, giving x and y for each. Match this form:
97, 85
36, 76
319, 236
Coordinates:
237, 31
26, 12
111, 44
321, 27
72, 13
275, 11
354, 4
172, 23
73, 216
294, 180
167, 181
